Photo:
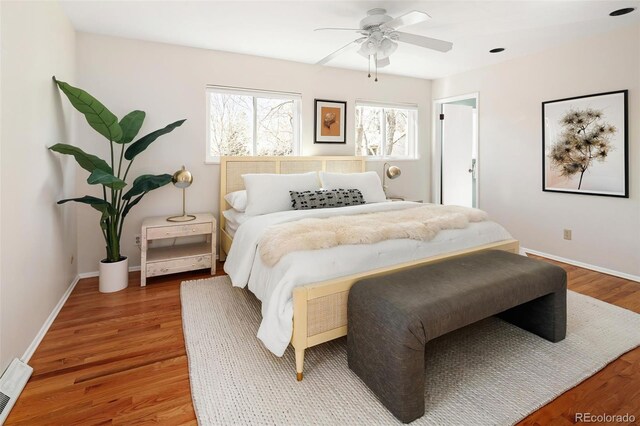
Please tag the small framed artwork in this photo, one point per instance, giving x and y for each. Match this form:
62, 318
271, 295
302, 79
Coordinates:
330, 121
585, 146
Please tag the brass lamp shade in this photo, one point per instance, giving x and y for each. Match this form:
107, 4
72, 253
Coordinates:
391, 172
182, 179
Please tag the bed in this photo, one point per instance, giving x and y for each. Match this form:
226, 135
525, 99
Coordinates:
319, 303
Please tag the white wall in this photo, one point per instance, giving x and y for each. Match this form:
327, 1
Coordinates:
168, 82
606, 231
38, 237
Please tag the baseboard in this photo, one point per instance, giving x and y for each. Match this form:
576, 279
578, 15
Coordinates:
624, 275
45, 327
93, 274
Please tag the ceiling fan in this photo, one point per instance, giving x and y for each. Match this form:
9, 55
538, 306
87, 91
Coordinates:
380, 36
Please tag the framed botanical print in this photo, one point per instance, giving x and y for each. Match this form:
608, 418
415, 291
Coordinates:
330, 121
585, 145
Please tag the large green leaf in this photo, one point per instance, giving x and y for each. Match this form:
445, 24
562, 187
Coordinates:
130, 125
141, 144
97, 115
129, 205
99, 177
86, 161
146, 183
99, 204
95, 202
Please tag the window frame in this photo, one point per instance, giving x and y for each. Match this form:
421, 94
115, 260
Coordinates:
412, 130
254, 93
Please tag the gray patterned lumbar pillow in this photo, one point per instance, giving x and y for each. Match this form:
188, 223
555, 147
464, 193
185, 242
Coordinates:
306, 200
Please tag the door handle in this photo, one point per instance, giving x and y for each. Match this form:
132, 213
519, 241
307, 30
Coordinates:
472, 170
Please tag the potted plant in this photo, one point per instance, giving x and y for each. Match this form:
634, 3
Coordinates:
115, 203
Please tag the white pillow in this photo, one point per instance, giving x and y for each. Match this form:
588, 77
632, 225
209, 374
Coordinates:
368, 183
268, 193
234, 218
237, 200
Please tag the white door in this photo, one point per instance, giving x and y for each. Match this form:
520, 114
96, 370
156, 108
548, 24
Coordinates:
458, 157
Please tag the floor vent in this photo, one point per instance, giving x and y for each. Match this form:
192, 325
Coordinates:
4, 400
11, 384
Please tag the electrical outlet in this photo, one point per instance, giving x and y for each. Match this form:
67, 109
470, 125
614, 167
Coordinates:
567, 234
138, 239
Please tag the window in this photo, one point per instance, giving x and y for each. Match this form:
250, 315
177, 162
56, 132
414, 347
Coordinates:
386, 131
250, 122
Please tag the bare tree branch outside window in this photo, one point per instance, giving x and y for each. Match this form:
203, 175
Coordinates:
232, 120
369, 131
396, 132
585, 137
377, 138
230, 124
275, 127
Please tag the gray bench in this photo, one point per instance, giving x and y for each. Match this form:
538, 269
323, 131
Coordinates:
392, 317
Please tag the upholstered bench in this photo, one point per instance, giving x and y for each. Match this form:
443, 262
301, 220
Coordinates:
392, 317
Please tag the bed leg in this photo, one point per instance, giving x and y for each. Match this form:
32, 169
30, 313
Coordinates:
299, 364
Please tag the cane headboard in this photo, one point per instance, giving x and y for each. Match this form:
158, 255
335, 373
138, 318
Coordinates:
232, 169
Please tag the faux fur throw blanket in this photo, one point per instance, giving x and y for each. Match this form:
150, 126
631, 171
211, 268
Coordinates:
417, 223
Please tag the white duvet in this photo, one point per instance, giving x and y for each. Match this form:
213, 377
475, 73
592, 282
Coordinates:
274, 285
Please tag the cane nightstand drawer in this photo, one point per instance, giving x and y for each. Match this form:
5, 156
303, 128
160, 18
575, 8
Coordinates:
178, 265
175, 231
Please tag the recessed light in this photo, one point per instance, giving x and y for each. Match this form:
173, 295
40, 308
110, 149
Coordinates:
497, 50
621, 12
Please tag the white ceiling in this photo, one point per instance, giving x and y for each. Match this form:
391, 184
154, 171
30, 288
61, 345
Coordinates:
284, 29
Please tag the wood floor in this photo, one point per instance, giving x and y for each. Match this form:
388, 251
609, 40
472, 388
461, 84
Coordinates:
120, 359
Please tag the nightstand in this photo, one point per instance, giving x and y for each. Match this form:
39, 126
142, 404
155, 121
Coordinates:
179, 256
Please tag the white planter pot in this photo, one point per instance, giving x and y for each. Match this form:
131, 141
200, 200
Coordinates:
114, 276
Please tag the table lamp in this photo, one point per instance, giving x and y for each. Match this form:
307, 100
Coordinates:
390, 172
182, 179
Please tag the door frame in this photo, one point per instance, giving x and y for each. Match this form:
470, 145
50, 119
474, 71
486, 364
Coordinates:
436, 146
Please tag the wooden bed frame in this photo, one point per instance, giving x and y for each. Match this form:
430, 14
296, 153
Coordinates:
319, 309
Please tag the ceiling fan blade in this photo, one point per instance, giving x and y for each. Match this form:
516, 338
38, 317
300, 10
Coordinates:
409, 18
383, 62
422, 41
339, 29
343, 49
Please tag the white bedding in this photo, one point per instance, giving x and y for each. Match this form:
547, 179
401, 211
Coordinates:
230, 230
233, 219
274, 285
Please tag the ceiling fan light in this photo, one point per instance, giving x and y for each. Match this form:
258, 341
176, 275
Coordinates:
367, 49
387, 47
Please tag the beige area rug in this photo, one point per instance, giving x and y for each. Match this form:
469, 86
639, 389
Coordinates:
490, 373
